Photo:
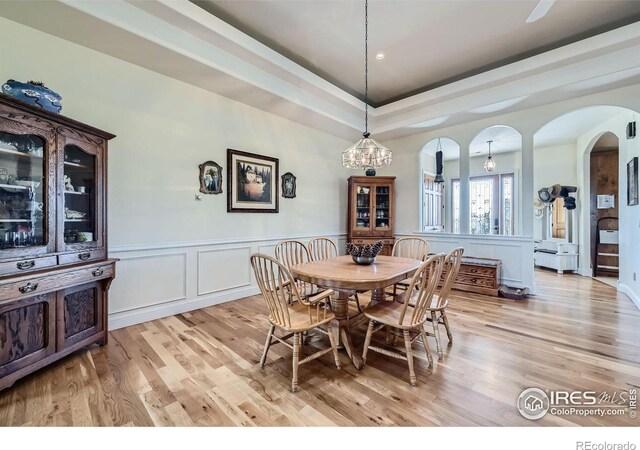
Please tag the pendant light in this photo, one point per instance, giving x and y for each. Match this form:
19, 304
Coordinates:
439, 178
489, 164
366, 154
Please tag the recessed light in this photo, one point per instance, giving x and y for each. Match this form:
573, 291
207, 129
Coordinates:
380, 55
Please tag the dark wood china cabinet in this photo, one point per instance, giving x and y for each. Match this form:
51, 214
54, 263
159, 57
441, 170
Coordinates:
54, 271
371, 211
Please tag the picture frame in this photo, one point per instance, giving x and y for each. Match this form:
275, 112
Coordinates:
289, 185
252, 185
210, 178
632, 182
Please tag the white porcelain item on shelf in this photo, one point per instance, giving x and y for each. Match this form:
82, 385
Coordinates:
71, 214
35, 206
81, 189
85, 236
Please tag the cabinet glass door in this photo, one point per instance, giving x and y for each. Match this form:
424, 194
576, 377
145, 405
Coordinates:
383, 204
79, 203
363, 207
23, 195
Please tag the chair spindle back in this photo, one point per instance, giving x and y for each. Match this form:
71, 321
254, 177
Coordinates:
273, 278
452, 262
422, 287
411, 247
322, 248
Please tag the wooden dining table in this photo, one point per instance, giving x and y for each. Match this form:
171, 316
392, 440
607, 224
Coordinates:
345, 276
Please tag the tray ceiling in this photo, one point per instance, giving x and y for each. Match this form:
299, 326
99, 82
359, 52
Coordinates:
426, 43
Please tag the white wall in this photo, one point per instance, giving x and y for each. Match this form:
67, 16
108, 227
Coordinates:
164, 129
553, 165
527, 122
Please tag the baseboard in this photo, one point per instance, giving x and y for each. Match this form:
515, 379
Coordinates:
153, 312
585, 272
626, 290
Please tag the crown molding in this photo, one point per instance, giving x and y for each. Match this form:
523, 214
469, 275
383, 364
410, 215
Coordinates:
179, 39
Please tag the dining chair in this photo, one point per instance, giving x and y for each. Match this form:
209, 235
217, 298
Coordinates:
440, 301
409, 247
290, 253
403, 318
322, 248
293, 318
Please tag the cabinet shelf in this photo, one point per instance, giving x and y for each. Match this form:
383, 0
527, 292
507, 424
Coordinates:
14, 186
16, 220
18, 153
75, 165
77, 220
76, 193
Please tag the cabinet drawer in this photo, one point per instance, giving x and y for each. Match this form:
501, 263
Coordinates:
82, 256
51, 282
472, 280
27, 265
478, 271
372, 241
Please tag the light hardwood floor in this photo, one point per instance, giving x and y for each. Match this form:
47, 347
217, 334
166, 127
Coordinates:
201, 368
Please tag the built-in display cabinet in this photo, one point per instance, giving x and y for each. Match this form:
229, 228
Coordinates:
54, 271
371, 211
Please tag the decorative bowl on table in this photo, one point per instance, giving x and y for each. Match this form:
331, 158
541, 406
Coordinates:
364, 255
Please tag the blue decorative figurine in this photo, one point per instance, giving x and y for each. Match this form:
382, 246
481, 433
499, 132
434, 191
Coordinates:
34, 93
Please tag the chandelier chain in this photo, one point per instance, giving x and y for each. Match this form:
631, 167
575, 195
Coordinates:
366, 66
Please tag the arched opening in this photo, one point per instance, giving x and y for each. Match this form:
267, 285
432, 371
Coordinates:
495, 167
584, 150
437, 200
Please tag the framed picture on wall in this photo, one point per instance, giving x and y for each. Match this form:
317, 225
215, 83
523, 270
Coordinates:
632, 181
252, 184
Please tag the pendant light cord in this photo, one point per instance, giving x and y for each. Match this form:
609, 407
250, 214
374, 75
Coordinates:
366, 68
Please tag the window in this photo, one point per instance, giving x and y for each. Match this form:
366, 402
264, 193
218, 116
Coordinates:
432, 203
491, 200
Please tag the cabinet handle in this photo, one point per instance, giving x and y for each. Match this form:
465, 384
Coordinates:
98, 272
84, 256
28, 288
24, 265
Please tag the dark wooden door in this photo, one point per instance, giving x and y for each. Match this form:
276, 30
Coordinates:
80, 314
27, 332
604, 181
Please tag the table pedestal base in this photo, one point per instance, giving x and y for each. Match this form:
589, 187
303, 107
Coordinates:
343, 323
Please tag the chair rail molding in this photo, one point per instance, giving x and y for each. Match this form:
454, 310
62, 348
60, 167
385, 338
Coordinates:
160, 280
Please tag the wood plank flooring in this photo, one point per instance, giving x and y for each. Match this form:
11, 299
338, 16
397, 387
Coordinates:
201, 368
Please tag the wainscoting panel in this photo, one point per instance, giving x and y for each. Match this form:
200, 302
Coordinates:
515, 252
221, 269
145, 280
159, 281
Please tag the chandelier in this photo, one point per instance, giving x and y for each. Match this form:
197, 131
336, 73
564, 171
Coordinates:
366, 153
489, 164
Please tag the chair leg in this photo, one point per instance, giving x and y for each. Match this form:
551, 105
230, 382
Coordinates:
333, 338
267, 344
446, 326
357, 302
296, 358
367, 341
407, 344
436, 332
425, 343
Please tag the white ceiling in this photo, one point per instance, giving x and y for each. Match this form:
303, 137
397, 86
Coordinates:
426, 43
563, 130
